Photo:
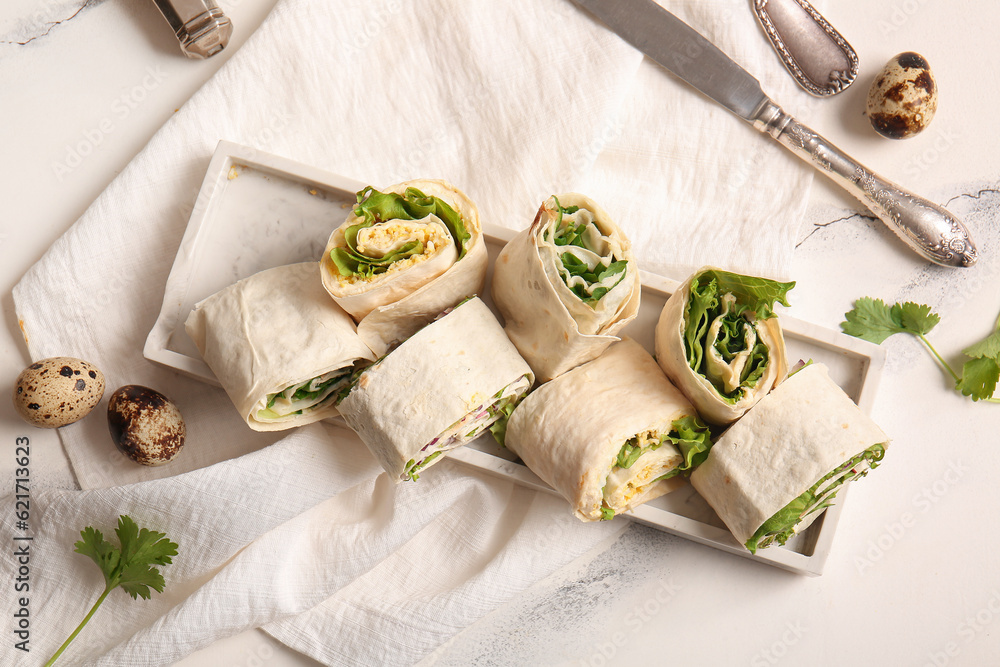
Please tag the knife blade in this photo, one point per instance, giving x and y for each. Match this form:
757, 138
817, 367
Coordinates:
932, 231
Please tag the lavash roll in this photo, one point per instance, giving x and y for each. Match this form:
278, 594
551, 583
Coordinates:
390, 306
571, 430
549, 324
272, 331
439, 389
672, 354
803, 430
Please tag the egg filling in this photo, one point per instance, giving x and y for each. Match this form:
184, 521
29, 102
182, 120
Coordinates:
646, 461
395, 232
469, 427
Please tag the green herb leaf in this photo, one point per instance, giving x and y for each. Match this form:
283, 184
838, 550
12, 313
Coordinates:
129, 565
138, 578
94, 546
979, 378
988, 347
873, 320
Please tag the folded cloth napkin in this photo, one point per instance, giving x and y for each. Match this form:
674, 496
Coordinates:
389, 572
298, 533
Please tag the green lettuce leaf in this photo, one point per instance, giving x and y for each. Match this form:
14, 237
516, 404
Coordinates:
688, 434
374, 207
781, 526
693, 439
755, 299
572, 233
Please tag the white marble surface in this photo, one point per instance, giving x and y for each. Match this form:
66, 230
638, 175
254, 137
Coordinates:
912, 578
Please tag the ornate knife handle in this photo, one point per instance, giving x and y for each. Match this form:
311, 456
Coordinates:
929, 229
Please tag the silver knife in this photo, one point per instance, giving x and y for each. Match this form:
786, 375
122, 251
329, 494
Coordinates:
929, 229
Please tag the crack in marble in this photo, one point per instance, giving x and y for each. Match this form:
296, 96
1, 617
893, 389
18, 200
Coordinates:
822, 225
978, 195
52, 24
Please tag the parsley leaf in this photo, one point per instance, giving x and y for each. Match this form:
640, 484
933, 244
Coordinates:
873, 320
129, 566
981, 372
979, 378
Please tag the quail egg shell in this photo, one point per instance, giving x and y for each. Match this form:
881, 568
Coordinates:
57, 391
903, 97
145, 425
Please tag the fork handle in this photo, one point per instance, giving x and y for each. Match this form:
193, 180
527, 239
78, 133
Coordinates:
931, 230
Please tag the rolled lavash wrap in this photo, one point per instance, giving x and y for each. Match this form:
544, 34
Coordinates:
402, 256
610, 434
566, 285
773, 472
282, 350
441, 388
719, 340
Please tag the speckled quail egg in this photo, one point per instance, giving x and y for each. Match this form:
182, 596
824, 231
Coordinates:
57, 391
903, 97
145, 425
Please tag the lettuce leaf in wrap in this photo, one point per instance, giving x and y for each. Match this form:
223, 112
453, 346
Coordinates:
471, 426
688, 435
782, 525
375, 207
720, 337
589, 267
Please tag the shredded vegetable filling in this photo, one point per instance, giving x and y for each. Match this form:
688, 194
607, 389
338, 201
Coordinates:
468, 427
305, 396
782, 526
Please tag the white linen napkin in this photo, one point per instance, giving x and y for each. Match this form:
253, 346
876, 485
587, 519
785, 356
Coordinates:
691, 183
299, 533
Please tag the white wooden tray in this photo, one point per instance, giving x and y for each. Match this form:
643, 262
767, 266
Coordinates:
256, 211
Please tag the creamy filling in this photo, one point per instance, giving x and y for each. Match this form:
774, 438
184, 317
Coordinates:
628, 487
304, 397
585, 267
645, 462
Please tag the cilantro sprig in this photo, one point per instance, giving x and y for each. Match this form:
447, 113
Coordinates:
874, 320
129, 566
